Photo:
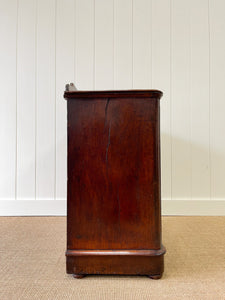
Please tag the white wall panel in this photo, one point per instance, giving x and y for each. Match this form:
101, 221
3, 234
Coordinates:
8, 98
103, 49
123, 60
142, 44
26, 99
176, 46
199, 100
65, 44
217, 97
161, 70
180, 99
45, 108
84, 45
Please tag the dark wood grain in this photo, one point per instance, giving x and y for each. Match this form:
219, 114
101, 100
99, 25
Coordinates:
113, 191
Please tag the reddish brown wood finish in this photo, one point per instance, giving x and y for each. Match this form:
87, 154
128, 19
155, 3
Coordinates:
113, 192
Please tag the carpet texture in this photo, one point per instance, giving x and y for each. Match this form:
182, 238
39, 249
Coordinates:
32, 263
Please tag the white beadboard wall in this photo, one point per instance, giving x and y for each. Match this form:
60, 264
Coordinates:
177, 46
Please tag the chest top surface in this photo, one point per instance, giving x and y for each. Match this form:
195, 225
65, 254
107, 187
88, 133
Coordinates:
156, 94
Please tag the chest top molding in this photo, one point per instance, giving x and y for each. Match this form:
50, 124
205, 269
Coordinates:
113, 94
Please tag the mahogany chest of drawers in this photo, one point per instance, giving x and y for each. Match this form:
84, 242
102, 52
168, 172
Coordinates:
113, 187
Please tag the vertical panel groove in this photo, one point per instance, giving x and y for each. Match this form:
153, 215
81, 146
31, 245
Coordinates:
17, 18
56, 2
151, 39
75, 42
209, 89
113, 44
132, 41
94, 63
171, 103
35, 139
190, 100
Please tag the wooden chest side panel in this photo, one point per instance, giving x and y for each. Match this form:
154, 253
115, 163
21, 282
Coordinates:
113, 174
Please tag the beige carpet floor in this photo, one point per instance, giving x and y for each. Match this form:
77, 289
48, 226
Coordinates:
32, 263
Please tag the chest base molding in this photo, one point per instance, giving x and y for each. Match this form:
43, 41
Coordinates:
147, 262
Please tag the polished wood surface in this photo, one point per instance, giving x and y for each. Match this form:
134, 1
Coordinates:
113, 94
116, 252
113, 192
